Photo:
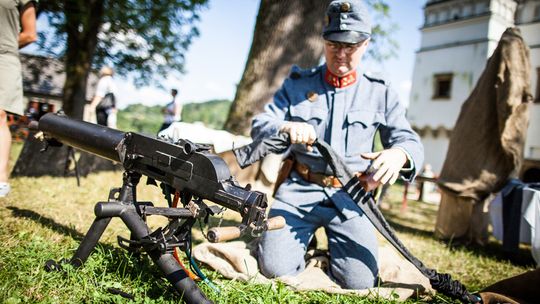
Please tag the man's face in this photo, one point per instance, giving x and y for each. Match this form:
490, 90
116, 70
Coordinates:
343, 58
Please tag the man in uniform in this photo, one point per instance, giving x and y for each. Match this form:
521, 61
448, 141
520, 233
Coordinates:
339, 104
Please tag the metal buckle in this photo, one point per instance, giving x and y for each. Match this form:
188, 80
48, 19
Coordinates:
302, 169
327, 181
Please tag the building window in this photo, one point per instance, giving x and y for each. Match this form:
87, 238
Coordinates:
455, 14
467, 10
431, 18
480, 8
537, 97
442, 86
536, 14
443, 16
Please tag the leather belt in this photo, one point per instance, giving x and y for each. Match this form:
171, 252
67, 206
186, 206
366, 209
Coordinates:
329, 180
316, 178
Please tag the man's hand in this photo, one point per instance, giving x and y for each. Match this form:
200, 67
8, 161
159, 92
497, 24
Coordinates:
388, 163
300, 133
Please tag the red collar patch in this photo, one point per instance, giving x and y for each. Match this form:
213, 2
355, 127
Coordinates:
340, 82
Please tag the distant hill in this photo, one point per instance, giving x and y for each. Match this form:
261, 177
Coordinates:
212, 113
147, 120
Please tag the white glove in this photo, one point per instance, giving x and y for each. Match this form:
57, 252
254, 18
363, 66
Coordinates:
300, 133
387, 164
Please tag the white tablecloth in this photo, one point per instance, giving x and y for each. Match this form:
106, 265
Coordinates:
530, 220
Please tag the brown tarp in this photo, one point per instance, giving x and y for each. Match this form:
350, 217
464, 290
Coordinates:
486, 145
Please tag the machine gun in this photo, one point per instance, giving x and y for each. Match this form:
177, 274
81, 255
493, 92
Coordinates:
183, 167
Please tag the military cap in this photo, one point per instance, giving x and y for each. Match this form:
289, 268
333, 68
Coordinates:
347, 21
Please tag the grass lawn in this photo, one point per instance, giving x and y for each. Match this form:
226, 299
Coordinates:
46, 218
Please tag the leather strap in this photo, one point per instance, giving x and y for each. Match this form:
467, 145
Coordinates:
316, 178
284, 171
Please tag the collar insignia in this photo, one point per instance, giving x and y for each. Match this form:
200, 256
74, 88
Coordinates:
340, 82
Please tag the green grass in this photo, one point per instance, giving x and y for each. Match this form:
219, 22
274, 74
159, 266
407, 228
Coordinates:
46, 218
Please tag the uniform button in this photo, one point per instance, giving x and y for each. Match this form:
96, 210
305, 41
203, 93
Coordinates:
343, 16
312, 96
343, 26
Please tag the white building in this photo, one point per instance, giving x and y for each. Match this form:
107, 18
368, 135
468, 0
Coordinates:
458, 37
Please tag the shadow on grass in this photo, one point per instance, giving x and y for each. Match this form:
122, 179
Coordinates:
46, 222
410, 230
522, 257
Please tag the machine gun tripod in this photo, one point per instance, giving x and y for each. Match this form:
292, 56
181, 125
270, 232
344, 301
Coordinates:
158, 244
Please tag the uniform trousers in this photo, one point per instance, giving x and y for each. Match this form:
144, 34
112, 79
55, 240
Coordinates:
352, 244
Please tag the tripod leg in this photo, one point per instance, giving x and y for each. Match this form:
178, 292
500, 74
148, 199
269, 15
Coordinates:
178, 278
76, 163
90, 241
165, 261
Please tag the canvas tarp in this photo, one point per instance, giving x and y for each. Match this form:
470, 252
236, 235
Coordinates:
486, 145
235, 260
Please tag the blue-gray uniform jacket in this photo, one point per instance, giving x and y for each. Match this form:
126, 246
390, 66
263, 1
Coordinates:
347, 118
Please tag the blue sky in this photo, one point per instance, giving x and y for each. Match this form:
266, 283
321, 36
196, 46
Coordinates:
216, 59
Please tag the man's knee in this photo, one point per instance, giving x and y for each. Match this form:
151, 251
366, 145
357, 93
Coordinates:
272, 266
360, 281
276, 260
355, 275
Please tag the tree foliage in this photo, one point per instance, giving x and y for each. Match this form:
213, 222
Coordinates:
383, 44
146, 38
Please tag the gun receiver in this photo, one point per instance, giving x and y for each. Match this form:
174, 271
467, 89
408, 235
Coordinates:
182, 166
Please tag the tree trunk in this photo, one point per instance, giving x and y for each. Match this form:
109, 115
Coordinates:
83, 22
80, 52
286, 33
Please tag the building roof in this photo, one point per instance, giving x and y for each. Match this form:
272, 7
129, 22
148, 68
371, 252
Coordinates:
45, 76
431, 2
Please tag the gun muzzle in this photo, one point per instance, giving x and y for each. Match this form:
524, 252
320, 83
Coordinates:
89, 137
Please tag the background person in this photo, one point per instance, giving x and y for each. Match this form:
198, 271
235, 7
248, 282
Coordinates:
172, 111
17, 29
104, 101
340, 104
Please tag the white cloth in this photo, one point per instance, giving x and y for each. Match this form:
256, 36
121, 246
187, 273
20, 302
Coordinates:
199, 133
531, 214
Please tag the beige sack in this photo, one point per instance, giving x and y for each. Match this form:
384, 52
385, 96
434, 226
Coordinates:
463, 219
